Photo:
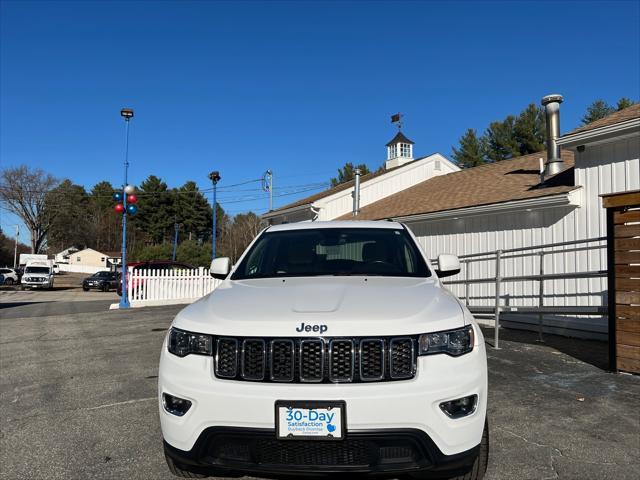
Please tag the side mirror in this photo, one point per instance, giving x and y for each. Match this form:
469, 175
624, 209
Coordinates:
447, 265
220, 267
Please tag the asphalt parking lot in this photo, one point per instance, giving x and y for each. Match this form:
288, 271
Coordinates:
78, 391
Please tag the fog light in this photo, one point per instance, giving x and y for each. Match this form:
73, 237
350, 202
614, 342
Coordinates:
460, 407
175, 405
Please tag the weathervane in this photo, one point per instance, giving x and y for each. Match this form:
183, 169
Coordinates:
397, 119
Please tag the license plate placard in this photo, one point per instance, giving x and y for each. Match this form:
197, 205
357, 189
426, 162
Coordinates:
310, 420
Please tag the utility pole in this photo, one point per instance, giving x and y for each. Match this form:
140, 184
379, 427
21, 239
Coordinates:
267, 186
15, 249
215, 178
175, 240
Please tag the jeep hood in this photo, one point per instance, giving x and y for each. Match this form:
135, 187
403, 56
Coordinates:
347, 306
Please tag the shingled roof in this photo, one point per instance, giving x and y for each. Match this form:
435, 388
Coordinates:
620, 116
505, 181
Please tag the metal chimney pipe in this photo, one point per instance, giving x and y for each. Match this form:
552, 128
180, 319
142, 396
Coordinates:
356, 193
551, 105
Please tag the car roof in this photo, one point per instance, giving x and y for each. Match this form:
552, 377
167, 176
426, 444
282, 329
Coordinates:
336, 224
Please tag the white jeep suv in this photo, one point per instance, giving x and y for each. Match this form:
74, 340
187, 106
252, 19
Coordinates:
331, 347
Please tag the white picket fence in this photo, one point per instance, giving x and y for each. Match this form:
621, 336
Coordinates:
167, 287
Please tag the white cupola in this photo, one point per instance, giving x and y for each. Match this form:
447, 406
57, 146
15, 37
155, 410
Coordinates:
399, 151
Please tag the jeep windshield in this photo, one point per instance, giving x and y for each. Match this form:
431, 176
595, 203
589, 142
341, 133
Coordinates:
333, 251
44, 270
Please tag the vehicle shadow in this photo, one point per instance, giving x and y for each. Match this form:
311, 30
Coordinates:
18, 304
594, 352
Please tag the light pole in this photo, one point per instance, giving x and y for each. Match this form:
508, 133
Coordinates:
127, 114
215, 178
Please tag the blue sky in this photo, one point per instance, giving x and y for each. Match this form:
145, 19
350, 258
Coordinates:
298, 87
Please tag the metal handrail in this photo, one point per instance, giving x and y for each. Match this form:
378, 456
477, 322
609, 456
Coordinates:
549, 276
541, 277
536, 247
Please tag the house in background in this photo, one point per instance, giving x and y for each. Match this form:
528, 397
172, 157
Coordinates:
63, 256
91, 259
401, 171
508, 205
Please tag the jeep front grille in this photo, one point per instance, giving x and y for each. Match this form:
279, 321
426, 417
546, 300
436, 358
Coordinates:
315, 360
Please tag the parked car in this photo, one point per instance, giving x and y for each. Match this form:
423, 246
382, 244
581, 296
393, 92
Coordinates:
104, 281
153, 265
330, 347
11, 277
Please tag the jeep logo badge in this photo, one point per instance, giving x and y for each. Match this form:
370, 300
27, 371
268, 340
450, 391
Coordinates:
312, 328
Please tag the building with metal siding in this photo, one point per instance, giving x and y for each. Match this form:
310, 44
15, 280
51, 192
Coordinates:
507, 205
606, 161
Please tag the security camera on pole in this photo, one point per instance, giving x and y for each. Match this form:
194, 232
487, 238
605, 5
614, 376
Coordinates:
126, 205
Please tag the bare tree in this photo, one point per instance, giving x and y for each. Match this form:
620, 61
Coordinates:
24, 191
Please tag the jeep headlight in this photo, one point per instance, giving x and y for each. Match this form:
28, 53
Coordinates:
452, 342
183, 343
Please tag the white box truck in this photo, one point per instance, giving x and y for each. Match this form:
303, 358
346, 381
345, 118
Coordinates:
37, 275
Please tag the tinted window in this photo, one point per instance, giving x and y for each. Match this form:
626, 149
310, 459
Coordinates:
332, 251
37, 270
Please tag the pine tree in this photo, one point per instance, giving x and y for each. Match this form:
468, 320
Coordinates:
156, 204
597, 110
193, 211
105, 222
347, 173
500, 140
624, 102
68, 206
471, 152
530, 130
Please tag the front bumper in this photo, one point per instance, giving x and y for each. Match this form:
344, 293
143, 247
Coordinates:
252, 451
407, 404
45, 284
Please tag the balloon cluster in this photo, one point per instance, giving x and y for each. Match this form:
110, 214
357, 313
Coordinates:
118, 197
